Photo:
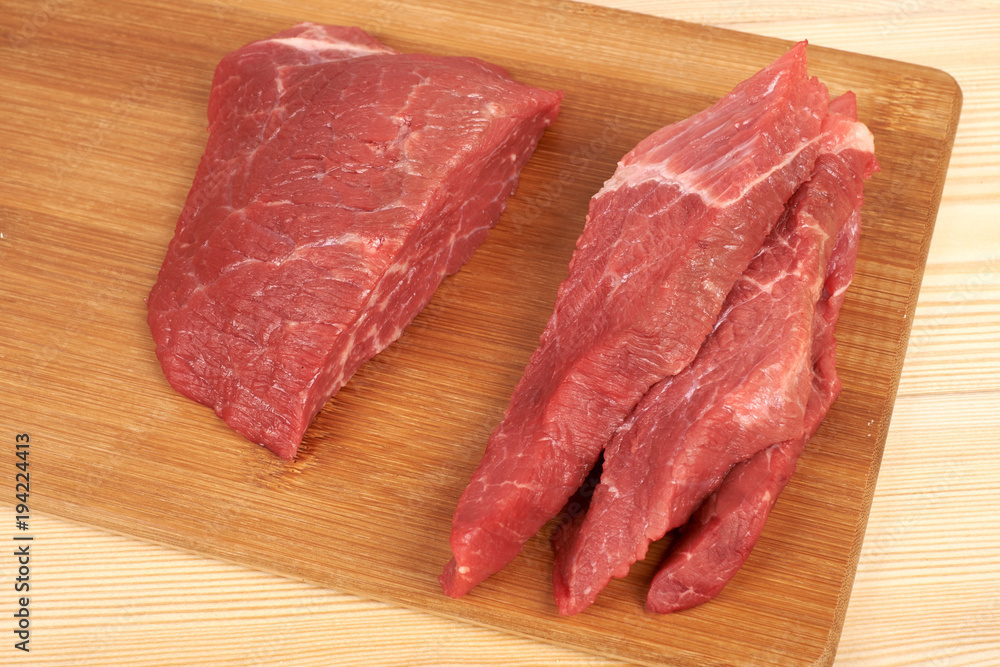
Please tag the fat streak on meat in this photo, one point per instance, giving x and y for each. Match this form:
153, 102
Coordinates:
340, 183
665, 240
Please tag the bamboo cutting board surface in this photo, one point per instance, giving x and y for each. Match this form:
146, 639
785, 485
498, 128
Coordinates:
103, 125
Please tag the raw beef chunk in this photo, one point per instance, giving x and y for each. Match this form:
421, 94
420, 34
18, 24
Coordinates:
341, 182
665, 239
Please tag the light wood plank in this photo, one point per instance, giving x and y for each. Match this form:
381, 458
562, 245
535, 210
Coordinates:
918, 562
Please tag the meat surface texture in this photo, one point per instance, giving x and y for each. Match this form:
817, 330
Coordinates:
665, 240
340, 183
717, 540
757, 380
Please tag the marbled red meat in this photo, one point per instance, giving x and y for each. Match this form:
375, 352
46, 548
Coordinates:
340, 183
716, 541
665, 240
748, 388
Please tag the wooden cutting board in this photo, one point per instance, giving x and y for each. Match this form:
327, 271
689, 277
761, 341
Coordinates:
102, 123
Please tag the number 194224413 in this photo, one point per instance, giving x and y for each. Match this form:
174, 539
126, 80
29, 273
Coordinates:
21, 480
23, 546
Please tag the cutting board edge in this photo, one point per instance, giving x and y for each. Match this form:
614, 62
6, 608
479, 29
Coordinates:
861, 527
925, 70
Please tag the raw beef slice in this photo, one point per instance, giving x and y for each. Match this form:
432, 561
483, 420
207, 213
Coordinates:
664, 241
723, 531
340, 183
748, 388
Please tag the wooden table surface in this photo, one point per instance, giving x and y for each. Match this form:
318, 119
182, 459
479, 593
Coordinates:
928, 583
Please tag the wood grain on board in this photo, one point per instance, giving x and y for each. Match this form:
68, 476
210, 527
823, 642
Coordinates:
102, 127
